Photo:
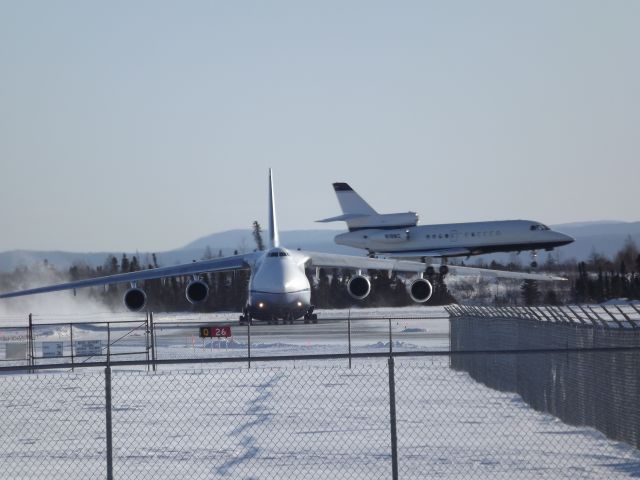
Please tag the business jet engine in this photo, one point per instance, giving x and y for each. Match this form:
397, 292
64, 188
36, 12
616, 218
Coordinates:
135, 299
420, 290
197, 291
359, 287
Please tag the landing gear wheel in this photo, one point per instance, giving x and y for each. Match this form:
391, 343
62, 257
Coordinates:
314, 318
534, 256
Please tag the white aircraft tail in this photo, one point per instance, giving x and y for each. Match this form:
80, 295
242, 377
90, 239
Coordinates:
274, 238
358, 214
350, 202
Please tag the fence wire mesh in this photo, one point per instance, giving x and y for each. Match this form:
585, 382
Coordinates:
52, 426
595, 388
286, 422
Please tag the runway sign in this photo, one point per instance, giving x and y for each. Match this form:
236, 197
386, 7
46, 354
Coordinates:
215, 332
88, 348
52, 349
15, 351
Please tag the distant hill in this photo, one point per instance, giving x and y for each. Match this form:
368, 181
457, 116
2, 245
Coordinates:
601, 237
605, 237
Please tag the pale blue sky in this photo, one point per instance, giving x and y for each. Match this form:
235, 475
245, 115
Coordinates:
144, 125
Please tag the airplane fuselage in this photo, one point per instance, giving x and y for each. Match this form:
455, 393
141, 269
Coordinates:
456, 239
278, 287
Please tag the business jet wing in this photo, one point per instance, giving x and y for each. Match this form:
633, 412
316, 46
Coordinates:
234, 262
436, 253
316, 259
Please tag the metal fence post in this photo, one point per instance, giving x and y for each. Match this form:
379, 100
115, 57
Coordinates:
392, 417
390, 339
349, 336
152, 327
249, 342
107, 392
108, 342
30, 342
71, 341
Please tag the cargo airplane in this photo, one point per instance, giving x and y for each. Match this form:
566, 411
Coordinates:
398, 235
278, 285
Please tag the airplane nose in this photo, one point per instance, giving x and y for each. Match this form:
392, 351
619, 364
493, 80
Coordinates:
566, 239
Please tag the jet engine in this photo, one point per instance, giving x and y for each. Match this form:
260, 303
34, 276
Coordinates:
135, 299
359, 287
197, 291
420, 290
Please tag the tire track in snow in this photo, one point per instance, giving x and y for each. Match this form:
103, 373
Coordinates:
258, 411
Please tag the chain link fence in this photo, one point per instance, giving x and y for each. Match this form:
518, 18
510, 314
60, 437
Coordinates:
584, 370
408, 417
45, 340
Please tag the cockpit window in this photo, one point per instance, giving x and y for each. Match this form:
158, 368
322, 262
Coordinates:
539, 227
278, 253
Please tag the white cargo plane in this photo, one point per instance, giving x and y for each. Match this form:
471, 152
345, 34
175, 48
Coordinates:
398, 235
278, 286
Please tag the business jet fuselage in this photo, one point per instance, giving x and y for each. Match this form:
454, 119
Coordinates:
455, 239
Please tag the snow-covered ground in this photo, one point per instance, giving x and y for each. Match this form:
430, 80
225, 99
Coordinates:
297, 419
302, 422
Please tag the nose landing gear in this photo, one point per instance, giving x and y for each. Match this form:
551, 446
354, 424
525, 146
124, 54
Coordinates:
534, 256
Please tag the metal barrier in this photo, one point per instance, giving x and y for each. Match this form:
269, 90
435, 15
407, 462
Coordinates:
373, 410
387, 417
76, 340
589, 375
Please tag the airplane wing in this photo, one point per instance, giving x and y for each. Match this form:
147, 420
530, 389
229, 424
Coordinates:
441, 252
343, 218
316, 259
234, 262
486, 272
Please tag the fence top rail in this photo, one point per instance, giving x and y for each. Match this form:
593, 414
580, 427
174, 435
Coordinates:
324, 356
190, 322
598, 315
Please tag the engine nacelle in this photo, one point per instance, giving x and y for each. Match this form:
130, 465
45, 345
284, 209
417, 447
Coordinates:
135, 299
197, 291
359, 287
420, 290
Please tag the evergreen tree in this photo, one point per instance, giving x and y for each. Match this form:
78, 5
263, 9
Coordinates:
257, 235
530, 292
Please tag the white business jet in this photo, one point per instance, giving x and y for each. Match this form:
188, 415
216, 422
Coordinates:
278, 286
398, 235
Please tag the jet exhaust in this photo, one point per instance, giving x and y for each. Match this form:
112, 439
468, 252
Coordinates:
359, 287
197, 291
420, 290
135, 299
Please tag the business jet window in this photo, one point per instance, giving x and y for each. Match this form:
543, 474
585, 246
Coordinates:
446, 235
539, 227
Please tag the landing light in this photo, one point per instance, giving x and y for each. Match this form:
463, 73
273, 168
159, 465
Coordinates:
299, 304
261, 305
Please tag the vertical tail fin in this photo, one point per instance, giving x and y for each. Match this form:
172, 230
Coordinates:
274, 239
350, 202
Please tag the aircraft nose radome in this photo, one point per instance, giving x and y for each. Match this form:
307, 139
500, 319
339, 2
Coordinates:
566, 239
